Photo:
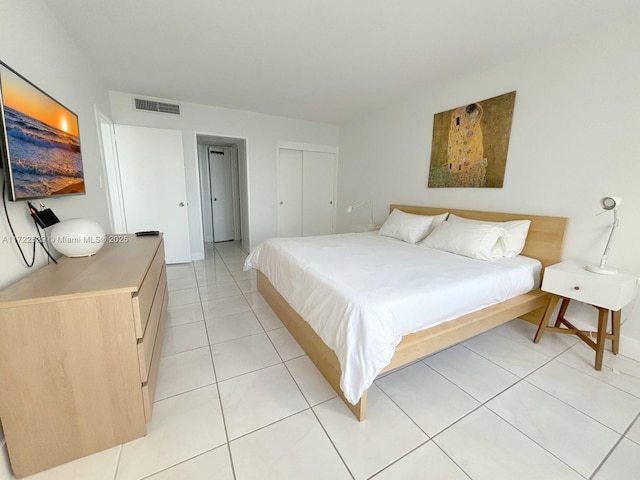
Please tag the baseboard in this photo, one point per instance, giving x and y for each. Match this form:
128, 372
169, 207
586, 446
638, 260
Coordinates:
630, 347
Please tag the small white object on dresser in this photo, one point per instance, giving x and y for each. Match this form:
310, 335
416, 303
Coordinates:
570, 280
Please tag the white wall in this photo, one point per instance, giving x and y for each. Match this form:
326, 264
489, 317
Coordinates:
262, 133
33, 43
574, 139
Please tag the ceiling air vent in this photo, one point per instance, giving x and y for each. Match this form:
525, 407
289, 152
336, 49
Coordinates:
154, 106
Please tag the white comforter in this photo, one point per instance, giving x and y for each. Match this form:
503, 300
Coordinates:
362, 292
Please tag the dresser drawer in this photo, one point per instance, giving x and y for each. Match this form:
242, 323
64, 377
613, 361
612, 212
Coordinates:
143, 299
149, 387
147, 342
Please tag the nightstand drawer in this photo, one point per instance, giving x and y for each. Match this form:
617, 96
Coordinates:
571, 280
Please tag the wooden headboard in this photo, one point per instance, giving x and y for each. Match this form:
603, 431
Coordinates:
545, 238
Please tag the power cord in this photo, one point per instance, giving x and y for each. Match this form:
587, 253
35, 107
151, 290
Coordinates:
13, 233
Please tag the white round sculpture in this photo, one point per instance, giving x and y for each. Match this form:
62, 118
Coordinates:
77, 237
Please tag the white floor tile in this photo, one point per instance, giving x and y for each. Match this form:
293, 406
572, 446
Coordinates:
622, 464
573, 437
619, 371
473, 373
183, 372
215, 292
175, 434
182, 338
5, 467
180, 270
488, 448
182, 283
510, 355
187, 296
214, 464
609, 405
634, 432
243, 355
285, 344
256, 300
184, 314
219, 276
369, 446
248, 286
416, 386
296, 448
98, 466
258, 399
427, 462
313, 385
225, 306
230, 327
523, 332
268, 318
244, 275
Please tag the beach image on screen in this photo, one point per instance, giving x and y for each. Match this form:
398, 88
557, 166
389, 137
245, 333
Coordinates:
42, 141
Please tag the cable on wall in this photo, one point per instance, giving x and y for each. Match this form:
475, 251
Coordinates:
13, 233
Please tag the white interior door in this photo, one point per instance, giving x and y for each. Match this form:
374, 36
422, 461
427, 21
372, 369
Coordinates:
221, 196
153, 186
289, 193
318, 193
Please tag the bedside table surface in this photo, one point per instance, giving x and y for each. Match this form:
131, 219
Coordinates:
570, 279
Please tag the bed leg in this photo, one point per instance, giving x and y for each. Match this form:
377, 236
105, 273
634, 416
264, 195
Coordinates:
360, 408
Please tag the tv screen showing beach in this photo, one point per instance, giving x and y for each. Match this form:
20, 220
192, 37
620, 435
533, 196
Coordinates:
42, 143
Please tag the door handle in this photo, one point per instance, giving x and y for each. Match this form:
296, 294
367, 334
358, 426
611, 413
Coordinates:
181, 204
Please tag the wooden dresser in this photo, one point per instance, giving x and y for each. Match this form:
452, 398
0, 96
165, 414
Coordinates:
80, 345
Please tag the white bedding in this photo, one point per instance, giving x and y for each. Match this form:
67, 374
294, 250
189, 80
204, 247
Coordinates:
362, 292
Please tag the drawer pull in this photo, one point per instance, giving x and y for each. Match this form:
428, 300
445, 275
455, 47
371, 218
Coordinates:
576, 287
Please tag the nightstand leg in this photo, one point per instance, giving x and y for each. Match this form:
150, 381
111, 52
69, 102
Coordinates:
615, 331
603, 317
544, 323
563, 309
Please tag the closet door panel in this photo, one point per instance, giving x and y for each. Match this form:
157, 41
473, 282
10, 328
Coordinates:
318, 202
289, 193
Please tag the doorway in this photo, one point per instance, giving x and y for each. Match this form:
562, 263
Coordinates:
223, 189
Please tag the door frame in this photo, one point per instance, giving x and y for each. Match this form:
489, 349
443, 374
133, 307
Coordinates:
310, 147
243, 182
111, 168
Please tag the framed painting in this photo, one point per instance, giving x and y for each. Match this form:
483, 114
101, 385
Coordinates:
470, 144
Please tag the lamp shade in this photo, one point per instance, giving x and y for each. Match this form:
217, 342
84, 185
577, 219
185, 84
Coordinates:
77, 237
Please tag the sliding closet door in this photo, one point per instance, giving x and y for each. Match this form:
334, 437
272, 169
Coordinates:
289, 193
306, 192
318, 178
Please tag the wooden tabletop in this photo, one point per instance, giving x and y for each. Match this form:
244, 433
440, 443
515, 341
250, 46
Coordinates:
118, 267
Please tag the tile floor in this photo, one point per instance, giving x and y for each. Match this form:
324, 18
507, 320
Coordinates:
238, 399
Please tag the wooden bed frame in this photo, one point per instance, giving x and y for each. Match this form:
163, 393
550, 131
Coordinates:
544, 242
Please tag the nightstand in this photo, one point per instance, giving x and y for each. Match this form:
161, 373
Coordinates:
570, 280
364, 227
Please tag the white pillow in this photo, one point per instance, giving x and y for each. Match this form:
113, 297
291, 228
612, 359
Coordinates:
468, 239
513, 242
438, 219
406, 226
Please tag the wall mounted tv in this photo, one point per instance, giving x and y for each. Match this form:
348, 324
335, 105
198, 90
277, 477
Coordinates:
39, 141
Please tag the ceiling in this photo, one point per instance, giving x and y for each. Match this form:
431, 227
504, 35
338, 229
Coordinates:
322, 60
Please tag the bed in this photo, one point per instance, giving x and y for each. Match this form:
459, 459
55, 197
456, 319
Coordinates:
345, 304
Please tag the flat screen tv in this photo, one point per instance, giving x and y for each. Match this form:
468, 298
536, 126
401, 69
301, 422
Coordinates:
39, 141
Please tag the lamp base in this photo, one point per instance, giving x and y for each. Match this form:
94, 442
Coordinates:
601, 270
